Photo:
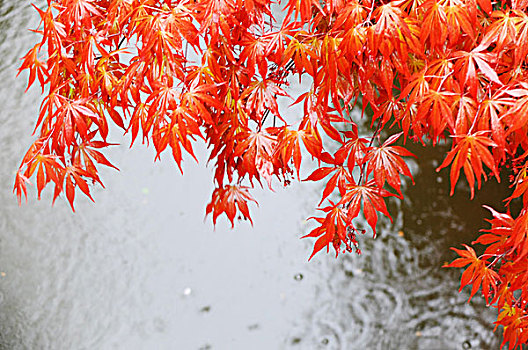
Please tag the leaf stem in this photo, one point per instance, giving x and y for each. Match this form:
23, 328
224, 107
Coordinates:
376, 133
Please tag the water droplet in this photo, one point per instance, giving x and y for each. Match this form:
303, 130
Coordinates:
145, 191
253, 327
401, 234
187, 291
439, 179
325, 341
418, 334
466, 345
206, 308
296, 340
3, 274
298, 277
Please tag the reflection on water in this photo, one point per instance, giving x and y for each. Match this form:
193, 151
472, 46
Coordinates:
139, 269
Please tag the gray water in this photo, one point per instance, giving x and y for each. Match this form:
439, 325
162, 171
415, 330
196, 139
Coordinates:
141, 269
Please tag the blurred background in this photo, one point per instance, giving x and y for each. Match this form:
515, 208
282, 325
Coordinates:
141, 269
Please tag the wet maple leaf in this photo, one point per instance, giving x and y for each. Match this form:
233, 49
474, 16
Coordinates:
386, 163
470, 152
334, 223
229, 200
368, 197
476, 274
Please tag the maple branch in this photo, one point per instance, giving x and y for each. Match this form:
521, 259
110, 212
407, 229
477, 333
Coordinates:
497, 257
363, 166
118, 45
284, 73
369, 16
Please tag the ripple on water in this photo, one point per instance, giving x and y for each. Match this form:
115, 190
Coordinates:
396, 295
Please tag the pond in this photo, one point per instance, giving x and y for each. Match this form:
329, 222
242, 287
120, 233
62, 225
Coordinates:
142, 269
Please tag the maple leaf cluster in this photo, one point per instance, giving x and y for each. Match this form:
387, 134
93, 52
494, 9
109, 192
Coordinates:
178, 72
